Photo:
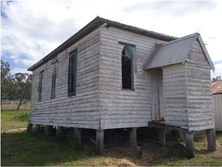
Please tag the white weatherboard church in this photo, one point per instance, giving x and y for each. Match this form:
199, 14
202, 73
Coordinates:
111, 75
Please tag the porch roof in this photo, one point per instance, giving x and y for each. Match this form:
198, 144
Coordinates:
175, 52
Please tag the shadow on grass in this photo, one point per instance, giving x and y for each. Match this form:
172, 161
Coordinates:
28, 149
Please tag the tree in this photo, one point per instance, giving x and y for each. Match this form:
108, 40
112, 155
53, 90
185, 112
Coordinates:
23, 87
217, 78
15, 87
7, 86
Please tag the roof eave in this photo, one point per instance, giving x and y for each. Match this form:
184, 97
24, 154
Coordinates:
91, 26
206, 53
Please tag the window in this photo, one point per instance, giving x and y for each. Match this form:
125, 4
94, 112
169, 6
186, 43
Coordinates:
53, 80
72, 73
54, 74
40, 85
128, 55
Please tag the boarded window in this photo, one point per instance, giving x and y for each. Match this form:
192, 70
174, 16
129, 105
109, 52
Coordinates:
128, 55
72, 73
40, 85
54, 74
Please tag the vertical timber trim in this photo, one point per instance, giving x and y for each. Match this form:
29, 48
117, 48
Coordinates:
29, 127
162, 136
59, 131
99, 142
211, 140
133, 138
190, 150
77, 136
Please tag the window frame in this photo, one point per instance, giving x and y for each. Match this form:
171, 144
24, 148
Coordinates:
54, 76
132, 71
41, 74
72, 55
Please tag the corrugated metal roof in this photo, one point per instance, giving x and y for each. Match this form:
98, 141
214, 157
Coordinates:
91, 26
216, 87
175, 52
171, 53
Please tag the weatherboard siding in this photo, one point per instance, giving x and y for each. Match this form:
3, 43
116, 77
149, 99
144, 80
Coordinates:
81, 110
200, 105
175, 95
124, 108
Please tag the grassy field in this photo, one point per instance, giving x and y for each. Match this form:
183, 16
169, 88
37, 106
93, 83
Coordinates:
19, 148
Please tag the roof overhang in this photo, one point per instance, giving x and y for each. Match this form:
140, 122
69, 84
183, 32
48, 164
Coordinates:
91, 26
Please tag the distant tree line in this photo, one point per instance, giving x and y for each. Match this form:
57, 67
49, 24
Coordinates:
217, 78
15, 87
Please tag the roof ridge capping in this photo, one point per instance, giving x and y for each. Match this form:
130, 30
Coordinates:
183, 38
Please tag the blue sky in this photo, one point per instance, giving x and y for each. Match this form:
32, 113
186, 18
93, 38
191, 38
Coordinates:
32, 29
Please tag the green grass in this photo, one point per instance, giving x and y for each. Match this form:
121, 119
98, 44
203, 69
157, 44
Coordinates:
19, 148
14, 119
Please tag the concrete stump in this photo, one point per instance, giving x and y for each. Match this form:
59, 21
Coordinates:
211, 140
133, 138
190, 150
162, 136
99, 142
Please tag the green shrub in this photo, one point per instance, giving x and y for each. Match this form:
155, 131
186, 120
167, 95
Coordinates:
198, 136
21, 118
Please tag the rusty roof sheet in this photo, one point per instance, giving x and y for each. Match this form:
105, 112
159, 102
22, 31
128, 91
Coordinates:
216, 87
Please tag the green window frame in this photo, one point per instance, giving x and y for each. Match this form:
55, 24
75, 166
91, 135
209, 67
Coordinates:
72, 73
40, 85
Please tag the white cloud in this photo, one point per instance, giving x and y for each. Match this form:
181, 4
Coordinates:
17, 70
34, 28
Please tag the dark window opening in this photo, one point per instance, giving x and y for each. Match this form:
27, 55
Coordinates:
53, 81
72, 73
126, 72
40, 85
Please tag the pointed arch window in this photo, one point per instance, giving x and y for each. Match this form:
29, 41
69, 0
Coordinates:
128, 58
